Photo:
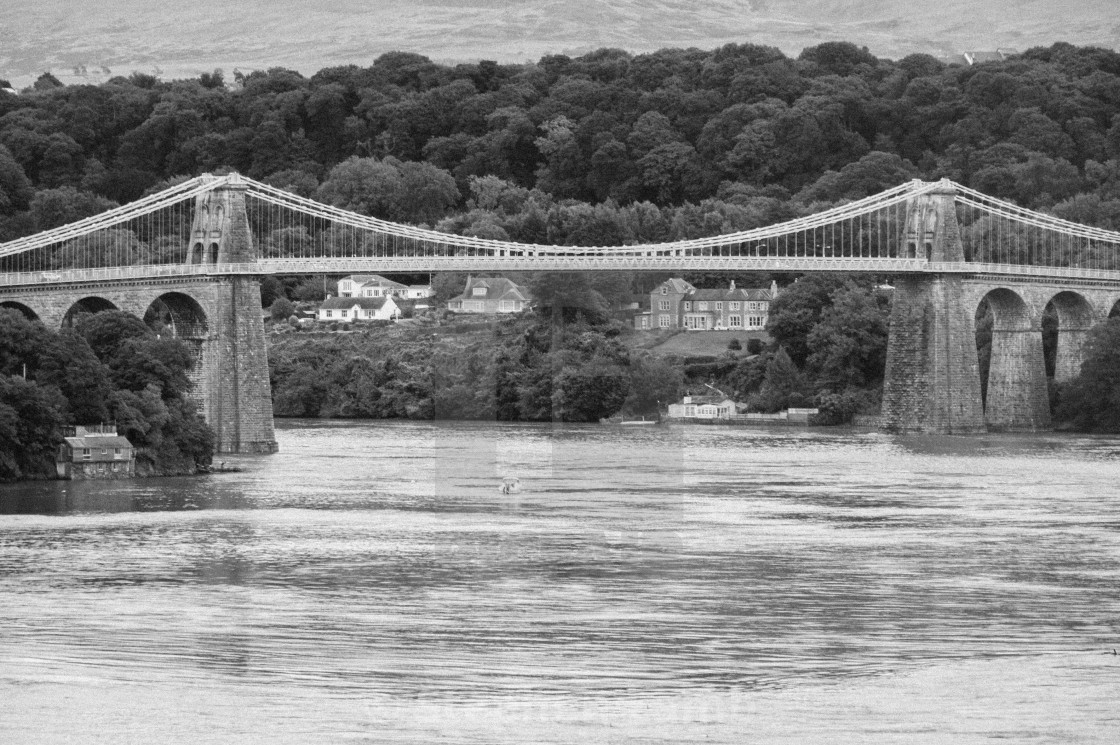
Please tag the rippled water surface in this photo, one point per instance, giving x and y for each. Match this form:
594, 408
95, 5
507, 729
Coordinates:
653, 584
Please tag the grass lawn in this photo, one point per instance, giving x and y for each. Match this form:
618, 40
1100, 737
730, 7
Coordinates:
697, 343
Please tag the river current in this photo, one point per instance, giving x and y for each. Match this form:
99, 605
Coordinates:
669, 584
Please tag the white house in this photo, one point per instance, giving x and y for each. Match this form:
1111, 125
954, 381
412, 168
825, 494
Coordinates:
703, 407
370, 285
351, 309
490, 295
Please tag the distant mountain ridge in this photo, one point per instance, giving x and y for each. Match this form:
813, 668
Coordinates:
183, 40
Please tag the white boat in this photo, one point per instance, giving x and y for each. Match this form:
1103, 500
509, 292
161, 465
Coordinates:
510, 485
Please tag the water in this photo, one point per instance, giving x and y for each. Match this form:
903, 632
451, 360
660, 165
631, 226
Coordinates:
371, 584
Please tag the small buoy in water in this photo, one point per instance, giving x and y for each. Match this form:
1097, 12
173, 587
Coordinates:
510, 485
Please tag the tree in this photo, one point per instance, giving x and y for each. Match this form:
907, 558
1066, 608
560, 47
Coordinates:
281, 309
15, 189
797, 309
30, 428
654, 383
589, 393
1091, 401
849, 343
783, 385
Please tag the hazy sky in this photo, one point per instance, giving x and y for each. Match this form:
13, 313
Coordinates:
185, 38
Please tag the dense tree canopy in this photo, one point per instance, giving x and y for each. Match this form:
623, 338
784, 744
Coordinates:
112, 368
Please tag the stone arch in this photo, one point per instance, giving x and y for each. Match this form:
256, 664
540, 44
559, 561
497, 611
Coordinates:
1016, 392
86, 306
1114, 310
197, 254
212, 257
25, 310
179, 315
203, 217
1075, 316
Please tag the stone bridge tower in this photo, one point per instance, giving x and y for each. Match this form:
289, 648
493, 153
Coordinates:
932, 381
233, 378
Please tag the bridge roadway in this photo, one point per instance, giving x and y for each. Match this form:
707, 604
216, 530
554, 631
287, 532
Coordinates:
417, 264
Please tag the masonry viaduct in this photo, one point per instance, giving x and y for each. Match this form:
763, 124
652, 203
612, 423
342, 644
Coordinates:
218, 315
932, 381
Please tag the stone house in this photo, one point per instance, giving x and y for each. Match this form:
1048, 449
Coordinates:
351, 309
490, 295
95, 452
677, 304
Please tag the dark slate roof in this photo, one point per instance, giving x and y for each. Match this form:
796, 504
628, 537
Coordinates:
729, 294
345, 303
374, 279
96, 443
497, 288
676, 285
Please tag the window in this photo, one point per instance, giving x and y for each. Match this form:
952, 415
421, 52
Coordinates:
116, 467
86, 454
645, 322
104, 451
690, 410
476, 305
506, 305
663, 321
663, 305
687, 305
719, 305
735, 321
344, 313
664, 289
117, 453
330, 313
479, 292
701, 306
734, 305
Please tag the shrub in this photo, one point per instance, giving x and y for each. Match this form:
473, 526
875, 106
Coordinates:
735, 344
755, 346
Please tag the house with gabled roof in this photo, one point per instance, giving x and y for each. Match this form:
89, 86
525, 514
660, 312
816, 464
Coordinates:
490, 295
95, 452
677, 304
352, 309
370, 285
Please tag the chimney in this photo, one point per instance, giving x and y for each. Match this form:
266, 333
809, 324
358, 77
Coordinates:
773, 289
732, 284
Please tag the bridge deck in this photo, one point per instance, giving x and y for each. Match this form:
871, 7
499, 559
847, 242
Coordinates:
406, 265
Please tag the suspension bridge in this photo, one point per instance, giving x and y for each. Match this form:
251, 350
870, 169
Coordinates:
188, 259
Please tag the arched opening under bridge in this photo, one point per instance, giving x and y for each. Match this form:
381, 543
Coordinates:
27, 312
1065, 327
85, 307
177, 314
1012, 364
180, 316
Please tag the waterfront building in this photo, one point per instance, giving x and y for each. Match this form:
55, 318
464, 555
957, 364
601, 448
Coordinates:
95, 452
